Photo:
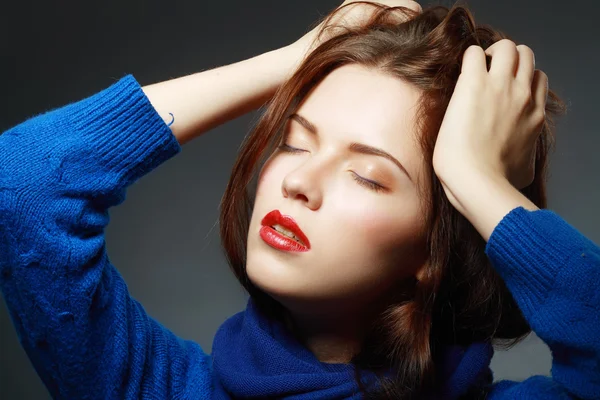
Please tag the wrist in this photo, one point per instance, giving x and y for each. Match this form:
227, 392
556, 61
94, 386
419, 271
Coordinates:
293, 55
484, 199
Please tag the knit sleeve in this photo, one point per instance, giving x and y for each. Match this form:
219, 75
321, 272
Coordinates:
60, 172
553, 272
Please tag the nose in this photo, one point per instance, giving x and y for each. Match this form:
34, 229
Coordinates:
303, 184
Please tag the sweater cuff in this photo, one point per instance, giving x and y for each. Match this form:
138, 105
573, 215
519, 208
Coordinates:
124, 129
528, 249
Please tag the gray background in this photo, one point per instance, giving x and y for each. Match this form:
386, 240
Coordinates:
164, 238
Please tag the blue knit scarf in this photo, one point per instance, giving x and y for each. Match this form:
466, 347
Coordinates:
257, 357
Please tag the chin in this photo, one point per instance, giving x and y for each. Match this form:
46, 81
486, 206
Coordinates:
270, 275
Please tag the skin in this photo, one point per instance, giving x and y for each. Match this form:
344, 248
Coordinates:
363, 247
363, 242
482, 156
485, 148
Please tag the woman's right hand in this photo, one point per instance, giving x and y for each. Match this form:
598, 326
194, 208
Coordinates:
352, 16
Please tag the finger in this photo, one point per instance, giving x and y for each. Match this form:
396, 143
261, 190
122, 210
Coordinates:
505, 58
539, 90
473, 61
526, 65
413, 5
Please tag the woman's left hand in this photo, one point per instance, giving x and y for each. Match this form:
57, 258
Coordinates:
493, 120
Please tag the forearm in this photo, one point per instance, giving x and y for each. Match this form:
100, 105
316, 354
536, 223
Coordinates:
552, 272
207, 99
67, 168
485, 200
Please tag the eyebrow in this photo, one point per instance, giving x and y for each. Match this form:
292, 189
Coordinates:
354, 146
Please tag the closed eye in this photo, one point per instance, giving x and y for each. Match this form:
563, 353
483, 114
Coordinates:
367, 183
289, 149
372, 185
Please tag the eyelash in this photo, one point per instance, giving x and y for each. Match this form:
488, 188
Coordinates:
360, 180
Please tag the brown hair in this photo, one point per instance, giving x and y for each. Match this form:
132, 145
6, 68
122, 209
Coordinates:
461, 298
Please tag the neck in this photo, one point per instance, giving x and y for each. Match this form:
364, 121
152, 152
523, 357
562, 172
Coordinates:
333, 341
334, 336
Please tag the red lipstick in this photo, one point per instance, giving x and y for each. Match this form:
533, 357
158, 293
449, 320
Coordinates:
280, 240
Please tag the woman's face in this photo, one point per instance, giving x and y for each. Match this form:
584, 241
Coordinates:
363, 237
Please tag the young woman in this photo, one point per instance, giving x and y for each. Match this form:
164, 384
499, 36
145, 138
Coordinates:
385, 215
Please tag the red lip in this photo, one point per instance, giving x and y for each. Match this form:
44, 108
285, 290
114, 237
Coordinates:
278, 240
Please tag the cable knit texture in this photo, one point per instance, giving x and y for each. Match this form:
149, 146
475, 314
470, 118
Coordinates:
87, 338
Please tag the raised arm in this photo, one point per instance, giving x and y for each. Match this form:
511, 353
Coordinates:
227, 92
199, 102
60, 172
485, 153
553, 273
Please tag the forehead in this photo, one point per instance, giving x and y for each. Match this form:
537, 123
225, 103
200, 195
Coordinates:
353, 97
357, 104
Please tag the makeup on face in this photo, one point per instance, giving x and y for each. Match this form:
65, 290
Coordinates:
283, 233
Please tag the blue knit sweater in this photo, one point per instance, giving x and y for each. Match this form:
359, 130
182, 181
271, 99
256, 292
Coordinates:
62, 170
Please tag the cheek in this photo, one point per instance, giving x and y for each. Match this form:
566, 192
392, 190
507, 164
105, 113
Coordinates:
268, 177
382, 225
374, 225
